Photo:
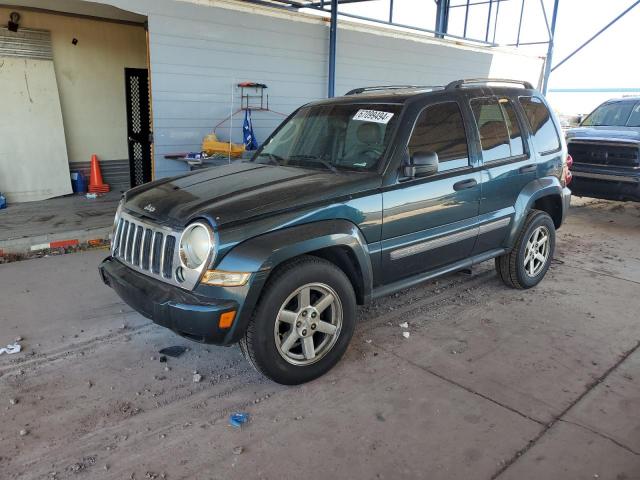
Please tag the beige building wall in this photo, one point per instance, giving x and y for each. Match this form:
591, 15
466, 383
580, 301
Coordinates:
90, 78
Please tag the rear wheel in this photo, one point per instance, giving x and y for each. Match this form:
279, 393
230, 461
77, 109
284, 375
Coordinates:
526, 265
303, 322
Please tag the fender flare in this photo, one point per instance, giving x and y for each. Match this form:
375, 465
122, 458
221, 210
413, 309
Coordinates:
265, 252
541, 187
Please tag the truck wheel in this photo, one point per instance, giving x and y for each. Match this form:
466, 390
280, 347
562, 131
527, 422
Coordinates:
303, 322
526, 265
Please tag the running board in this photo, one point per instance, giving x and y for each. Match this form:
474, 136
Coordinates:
384, 290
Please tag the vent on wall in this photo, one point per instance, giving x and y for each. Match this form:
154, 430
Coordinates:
26, 43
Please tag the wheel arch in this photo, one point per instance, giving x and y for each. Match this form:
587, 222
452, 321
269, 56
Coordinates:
544, 194
551, 204
338, 241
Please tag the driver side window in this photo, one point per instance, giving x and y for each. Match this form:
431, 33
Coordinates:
440, 129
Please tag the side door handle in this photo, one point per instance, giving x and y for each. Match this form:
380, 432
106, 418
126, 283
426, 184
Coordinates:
528, 169
464, 184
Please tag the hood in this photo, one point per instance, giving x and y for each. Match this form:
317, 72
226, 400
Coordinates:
242, 190
605, 133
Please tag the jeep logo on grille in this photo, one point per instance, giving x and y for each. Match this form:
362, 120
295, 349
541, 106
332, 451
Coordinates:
150, 208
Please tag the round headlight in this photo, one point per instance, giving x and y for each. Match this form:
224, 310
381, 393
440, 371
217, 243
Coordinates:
196, 243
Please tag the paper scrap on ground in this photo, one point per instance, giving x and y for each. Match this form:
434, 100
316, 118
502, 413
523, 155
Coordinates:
406, 334
11, 348
404, 325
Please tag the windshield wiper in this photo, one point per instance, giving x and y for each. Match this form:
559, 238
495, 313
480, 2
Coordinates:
272, 157
315, 159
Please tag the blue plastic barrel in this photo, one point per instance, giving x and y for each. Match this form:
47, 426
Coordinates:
3, 201
78, 182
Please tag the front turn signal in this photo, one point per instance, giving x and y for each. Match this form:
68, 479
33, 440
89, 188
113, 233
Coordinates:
226, 319
220, 278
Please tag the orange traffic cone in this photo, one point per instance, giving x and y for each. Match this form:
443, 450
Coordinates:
95, 180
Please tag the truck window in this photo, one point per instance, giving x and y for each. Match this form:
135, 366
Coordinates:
634, 118
545, 135
495, 135
609, 114
440, 129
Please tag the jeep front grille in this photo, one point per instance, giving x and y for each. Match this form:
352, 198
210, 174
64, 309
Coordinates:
147, 248
605, 154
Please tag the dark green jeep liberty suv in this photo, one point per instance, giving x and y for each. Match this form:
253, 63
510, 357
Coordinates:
351, 198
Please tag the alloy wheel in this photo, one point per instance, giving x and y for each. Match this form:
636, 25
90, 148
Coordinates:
537, 251
308, 324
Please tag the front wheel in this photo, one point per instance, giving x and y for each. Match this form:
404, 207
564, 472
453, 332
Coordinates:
526, 265
303, 322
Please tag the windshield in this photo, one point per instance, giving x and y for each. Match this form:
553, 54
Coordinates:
614, 114
335, 137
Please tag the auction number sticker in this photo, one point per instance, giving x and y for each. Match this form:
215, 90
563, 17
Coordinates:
373, 116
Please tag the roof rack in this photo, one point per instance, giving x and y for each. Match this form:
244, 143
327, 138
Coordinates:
359, 90
472, 81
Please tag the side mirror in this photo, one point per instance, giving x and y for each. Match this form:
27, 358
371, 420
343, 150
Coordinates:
422, 164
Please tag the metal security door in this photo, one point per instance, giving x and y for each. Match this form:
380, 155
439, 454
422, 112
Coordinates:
139, 137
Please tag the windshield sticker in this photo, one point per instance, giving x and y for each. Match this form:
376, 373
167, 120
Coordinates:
375, 116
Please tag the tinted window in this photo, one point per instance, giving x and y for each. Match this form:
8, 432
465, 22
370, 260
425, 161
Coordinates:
440, 129
515, 134
343, 136
494, 136
634, 118
609, 114
545, 136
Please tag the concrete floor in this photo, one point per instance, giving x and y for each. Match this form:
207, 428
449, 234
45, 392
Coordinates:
492, 383
70, 217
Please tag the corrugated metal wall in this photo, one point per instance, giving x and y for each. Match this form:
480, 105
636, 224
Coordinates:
198, 53
26, 43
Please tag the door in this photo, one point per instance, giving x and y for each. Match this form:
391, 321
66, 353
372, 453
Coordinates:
139, 137
508, 167
430, 222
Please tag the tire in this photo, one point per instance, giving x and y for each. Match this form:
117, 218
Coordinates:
511, 266
284, 310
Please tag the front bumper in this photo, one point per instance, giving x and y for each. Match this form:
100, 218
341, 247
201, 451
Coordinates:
194, 315
606, 184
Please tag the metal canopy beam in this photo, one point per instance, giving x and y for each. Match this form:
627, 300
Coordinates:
333, 33
552, 33
596, 35
442, 17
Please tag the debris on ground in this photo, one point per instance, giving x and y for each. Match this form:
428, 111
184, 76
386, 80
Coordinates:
237, 419
24, 432
238, 450
163, 359
406, 334
83, 464
11, 349
404, 325
197, 378
13, 401
174, 351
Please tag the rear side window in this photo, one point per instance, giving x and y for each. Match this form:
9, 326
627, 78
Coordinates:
440, 129
515, 134
545, 135
500, 135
